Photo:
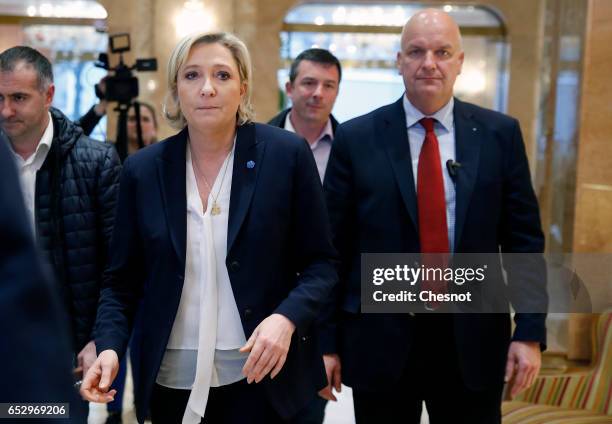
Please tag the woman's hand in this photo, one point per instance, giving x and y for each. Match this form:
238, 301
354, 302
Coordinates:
97, 381
268, 345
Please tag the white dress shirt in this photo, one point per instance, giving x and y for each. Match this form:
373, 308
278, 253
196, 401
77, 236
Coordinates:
195, 348
29, 167
444, 128
321, 148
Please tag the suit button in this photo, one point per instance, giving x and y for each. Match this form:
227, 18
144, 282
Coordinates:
235, 266
181, 277
248, 312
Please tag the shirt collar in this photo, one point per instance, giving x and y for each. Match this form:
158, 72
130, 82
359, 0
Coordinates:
47, 136
444, 116
326, 135
327, 131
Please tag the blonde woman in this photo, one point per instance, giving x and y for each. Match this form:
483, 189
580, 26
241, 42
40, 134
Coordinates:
222, 230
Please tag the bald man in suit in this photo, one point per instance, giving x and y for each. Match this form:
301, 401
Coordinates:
389, 190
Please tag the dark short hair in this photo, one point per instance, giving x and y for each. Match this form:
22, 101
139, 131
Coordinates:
15, 55
322, 56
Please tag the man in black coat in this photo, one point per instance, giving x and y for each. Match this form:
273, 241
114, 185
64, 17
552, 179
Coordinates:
314, 81
432, 174
69, 184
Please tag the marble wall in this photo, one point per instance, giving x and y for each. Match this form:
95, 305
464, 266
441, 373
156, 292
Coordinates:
593, 210
10, 35
593, 222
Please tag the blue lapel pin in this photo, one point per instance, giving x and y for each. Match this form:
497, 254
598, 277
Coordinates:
250, 164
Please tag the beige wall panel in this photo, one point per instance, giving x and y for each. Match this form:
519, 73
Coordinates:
10, 35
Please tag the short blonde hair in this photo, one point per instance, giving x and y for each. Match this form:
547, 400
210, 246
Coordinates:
171, 107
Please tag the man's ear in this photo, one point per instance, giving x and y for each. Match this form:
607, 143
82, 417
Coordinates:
398, 59
288, 88
461, 57
49, 93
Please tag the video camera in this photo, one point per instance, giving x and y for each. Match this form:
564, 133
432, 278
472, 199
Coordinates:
122, 86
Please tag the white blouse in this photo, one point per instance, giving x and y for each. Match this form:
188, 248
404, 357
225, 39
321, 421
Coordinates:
202, 351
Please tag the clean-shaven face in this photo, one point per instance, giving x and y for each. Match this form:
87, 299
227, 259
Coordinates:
24, 106
430, 59
209, 87
314, 91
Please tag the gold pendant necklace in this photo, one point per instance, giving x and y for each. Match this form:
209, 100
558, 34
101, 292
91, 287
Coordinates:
215, 208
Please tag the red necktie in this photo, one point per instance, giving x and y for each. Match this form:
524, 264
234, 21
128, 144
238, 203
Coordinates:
433, 231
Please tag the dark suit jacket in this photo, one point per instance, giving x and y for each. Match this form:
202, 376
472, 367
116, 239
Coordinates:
35, 350
323, 320
279, 253
372, 202
279, 120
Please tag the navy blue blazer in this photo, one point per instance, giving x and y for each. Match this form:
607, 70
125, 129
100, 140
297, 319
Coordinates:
372, 202
35, 348
279, 253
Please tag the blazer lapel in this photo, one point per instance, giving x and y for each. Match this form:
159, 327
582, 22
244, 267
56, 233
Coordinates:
172, 174
394, 136
248, 156
468, 138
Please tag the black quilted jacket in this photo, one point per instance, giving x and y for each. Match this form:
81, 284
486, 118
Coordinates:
76, 191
